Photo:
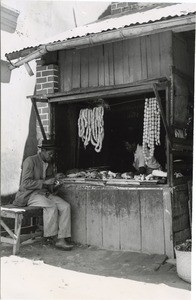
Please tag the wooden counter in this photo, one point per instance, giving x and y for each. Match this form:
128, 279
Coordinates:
131, 218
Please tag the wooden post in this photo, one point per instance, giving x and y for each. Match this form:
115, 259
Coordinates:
38, 118
17, 229
162, 113
190, 203
169, 150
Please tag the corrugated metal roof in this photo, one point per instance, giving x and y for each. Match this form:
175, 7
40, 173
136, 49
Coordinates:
138, 18
152, 15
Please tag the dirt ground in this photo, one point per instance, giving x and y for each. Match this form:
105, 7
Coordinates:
148, 270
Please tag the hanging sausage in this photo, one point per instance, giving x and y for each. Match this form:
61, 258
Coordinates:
151, 127
91, 127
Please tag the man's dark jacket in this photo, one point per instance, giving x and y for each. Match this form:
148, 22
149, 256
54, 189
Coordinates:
32, 179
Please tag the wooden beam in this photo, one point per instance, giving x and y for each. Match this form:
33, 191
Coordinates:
28, 68
91, 90
8, 240
33, 100
162, 113
106, 93
8, 213
8, 230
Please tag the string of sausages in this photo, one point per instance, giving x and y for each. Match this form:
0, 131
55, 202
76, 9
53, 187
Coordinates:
91, 127
151, 127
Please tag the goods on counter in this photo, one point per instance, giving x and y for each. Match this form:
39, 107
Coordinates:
91, 127
159, 173
127, 175
108, 175
139, 177
151, 127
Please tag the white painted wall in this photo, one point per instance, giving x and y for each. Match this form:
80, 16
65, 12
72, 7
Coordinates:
38, 20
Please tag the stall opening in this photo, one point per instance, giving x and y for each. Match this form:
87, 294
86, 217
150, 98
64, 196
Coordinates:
123, 119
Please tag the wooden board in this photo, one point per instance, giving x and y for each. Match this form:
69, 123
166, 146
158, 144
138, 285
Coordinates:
181, 54
118, 63
135, 219
94, 217
180, 222
165, 40
108, 64
149, 57
126, 67
180, 201
131, 59
79, 230
76, 196
93, 66
101, 66
130, 227
135, 48
168, 230
76, 70
143, 50
181, 99
68, 60
111, 234
155, 55
152, 221
84, 61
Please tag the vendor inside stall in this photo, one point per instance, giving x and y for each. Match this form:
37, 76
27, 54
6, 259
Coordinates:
141, 164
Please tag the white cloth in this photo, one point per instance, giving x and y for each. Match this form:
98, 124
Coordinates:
56, 214
139, 160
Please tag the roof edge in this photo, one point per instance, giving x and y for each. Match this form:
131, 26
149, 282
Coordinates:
175, 24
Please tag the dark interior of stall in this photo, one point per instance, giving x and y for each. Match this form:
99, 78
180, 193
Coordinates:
123, 120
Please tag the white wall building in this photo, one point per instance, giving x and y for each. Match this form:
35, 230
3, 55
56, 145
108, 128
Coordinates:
36, 22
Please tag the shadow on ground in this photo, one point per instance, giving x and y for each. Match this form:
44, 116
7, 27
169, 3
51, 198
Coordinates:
91, 260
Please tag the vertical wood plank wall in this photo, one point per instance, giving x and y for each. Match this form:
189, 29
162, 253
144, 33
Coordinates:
181, 227
121, 218
183, 55
183, 60
116, 63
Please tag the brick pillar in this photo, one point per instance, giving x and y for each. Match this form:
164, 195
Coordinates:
47, 82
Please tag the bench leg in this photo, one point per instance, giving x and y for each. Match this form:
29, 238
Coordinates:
17, 230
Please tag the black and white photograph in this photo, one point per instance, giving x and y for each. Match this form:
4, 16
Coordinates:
97, 150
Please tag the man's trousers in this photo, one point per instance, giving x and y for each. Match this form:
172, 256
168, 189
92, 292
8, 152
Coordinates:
56, 214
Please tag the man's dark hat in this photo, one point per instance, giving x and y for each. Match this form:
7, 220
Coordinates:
48, 145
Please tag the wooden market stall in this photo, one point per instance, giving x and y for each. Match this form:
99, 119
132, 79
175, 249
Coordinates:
153, 216
147, 218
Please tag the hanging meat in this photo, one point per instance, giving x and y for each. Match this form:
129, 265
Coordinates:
151, 127
91, 127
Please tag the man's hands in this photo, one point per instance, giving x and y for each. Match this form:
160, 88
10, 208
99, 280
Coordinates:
59, 176
49, 181
51, 184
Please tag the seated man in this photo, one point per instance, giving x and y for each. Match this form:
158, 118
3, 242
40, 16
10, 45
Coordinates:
35, 190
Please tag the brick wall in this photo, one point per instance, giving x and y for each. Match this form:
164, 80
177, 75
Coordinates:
47, 82
121, 7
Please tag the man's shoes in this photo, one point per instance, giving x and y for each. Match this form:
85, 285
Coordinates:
63, 246
48, 241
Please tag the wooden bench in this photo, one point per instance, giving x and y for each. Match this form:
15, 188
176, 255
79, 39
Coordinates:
12, 212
